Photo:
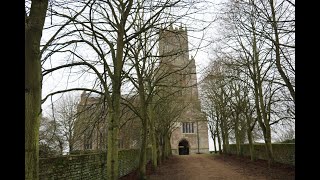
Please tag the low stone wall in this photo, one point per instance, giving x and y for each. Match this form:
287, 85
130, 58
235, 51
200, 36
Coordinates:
283, 152
87, 166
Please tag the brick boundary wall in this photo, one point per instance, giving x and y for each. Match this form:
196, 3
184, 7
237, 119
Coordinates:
283, 152
87, 166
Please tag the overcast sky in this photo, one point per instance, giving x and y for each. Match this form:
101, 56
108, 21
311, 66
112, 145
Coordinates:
197, 40
62, 79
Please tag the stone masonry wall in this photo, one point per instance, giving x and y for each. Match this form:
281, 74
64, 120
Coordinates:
282, 152
87, 166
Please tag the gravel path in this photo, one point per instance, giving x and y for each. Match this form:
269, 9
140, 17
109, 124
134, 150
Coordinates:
198, 167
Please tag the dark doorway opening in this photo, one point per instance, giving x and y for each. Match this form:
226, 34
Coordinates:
183, 147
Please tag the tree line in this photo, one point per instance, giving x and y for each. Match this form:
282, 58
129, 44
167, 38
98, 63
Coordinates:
249, 89
116, 41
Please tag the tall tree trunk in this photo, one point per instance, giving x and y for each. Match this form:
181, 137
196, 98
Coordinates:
213, 133
112, 150
250, 138
218, 136
261, 110
143, 155
262, 123
113, 129
227, 141
225, 136
224, 144
224, 126
237, 134
33, 77
70, 142
168, 146
266, 130
238, 145
214, 143
160, 154
153, 137
60, 146
251, 147
163, 148
144, 119
268, 144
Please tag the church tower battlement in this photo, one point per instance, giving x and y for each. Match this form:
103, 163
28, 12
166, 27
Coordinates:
173, 45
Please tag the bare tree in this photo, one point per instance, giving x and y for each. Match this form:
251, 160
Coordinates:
287, 135
57, 130
34, 22
247, 46
107, 31
279, 30
150, 72
109, 42
49, 140
35, 15
65, 117
216, 91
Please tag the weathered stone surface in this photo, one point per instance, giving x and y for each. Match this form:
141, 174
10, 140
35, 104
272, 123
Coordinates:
87, 166
175, 41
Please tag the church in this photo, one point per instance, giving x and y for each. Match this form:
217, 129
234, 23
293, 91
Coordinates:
189, 132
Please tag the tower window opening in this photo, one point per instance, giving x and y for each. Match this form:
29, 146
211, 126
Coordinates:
187, 127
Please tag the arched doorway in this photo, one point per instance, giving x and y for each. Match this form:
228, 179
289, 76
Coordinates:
183, 147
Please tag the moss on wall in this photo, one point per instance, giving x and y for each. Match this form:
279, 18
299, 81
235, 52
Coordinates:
283, 152
89, 165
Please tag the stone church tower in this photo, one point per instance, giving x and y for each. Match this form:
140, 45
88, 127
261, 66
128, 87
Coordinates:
190, 134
